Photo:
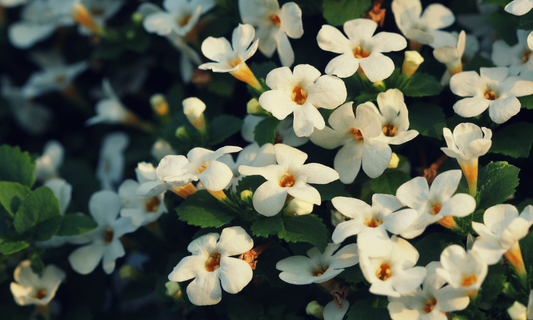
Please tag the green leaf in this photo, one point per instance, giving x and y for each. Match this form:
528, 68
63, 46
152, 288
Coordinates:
223, 127
265, 131
421, 85
493, 284
526, 246
266, 226
37, 265
250, 183
337, 12
427, 119
431, 246
352, 274
307, 228
526, 102
11, 195
75, 224
331, 190
261, 70
478, 62
365, 310
496, 182
10, 247
500, 3
365, 97
203, 210
221, 84
16, 166
38, 216
505, 26
389, 182
514, 140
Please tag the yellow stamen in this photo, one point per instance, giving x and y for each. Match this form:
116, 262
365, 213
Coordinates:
213, 262
274, 18
373, 223
202, 169
287, 181
430, 305
39, 294
436, 208
384, 272
360, 53
152, 204
467, 281
526, 56
490, 95
108, 235
389, 130
299, 95
320, 271
358, 135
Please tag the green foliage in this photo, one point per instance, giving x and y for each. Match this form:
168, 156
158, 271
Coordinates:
514, 140
265, 131
331, 190
38, 216
75, 224
478, 62
16, 166
203, 210
11, 196
36, 264
389, 182
430, 247
427, 119
353, 274
250, 183
366, 309
337, 12
505, 25
496, 182
307, 228
493, 284
223, 127
526, 102
526, 246
267, 226
10, 247
261, 70
500, 3
421, 85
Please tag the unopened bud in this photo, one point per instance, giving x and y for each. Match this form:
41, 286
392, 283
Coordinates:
247, 197
315, 309
380, 85
412, 61
194, 111
128, 272
299, 207
509, 290
173, 290
137, 18
162, 148
82, 16
183, 134
393, 163
159, 104
253, 107
517, 311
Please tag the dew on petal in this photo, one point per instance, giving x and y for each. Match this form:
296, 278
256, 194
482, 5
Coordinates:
320, 271
299, 95
152, 204
287, 181
213, 262
384, 272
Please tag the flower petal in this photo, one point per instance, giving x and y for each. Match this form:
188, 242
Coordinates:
234, 274
205, 289
85, 259
233, 241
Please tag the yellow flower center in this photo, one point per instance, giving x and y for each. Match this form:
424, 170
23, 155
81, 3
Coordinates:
358, 135
108, 235
383, 272
526, 56
39, 294
287, 181
467, 281
436, 208
490, 95
152, 204
202, 169
320, 271
274, 18
213, 262
235, 62
360, 53
389, 130
430, 305
183, 21
373, 223
298, 95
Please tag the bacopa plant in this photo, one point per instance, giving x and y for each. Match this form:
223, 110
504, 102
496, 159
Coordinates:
265, 159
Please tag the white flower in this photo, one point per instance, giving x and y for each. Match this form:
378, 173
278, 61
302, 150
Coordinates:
299, 207
252, 155
395, 273
519, 312
284, 132
141, 210
360, 50
161, 148
517, 57
436, 202
451, 54
109, 110
300, 93
290, 177
274, 26
100, 11
30, 288
462, 269
12, 3
432, 302
501, 230
111, 162
494, 90
412, 61
332, 311
105, 244
210, 264
180, 16
194, 111
394, 117
232, 59
149, 184
358, 136
319, 267
39, 20
200, 164
371, 223
48, 164
519, 7
423, 27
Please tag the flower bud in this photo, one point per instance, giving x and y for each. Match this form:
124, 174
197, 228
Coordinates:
393, 164
174, 290
517, 311
299, 207
412, 61
159, 104
161, 148
128, 272
253, 107
247, 197
183, 134
83, 17
194, 111
315, 309
137, 18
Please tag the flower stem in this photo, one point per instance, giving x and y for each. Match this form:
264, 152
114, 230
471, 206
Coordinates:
514, 255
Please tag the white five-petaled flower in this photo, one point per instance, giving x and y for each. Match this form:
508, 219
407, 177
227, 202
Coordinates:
360, 50
451, 55
105, 244
432, 302
423, 28
357, 135
394, 273
318, 267
435, 203
211, 265
462, 269
371, 223
494, 90
200, 164
290, 177
517, 57
232, 57
503, 227
519, 312
48, 164
301, 92
109, 110
111, 161
274, 26
394, 117
30, 288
